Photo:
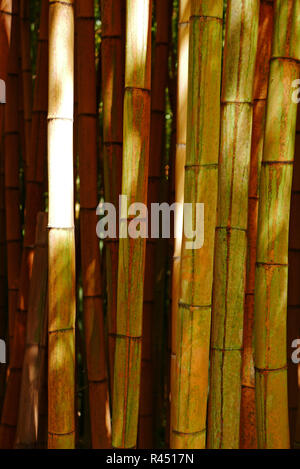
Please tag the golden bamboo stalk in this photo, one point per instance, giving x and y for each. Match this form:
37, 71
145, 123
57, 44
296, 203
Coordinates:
137, 102
61, 280
273, 230
151, 309
231, 232
193, 319
180, 157
248, 438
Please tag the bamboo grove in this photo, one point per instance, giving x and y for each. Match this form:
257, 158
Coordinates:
136, 336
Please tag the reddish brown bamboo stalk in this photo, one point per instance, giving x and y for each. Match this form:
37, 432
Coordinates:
90, 253
248, 412
29, 425
5, 30
113, 60
157, 140
26, 74
13, 236
35, 170
34, 202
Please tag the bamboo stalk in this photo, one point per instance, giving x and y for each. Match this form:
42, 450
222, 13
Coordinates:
34, 202
151, 307
35, 170
5, 31
201, 177
113, 58
137, 104
273, 229
13, 235
29, 425
231, 237
248, 438
180, 158
90, 253
26, 74
61, 280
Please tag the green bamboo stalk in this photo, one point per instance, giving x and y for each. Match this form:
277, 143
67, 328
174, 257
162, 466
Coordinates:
248, 439
137, 103
201, 186
231, 237
61, 280
180, 156
273, 231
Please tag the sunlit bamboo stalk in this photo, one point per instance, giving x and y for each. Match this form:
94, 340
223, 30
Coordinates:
181, 117
273, 230
231, 232
248, 438
137, 104
61, 280
193, 317
151, 321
